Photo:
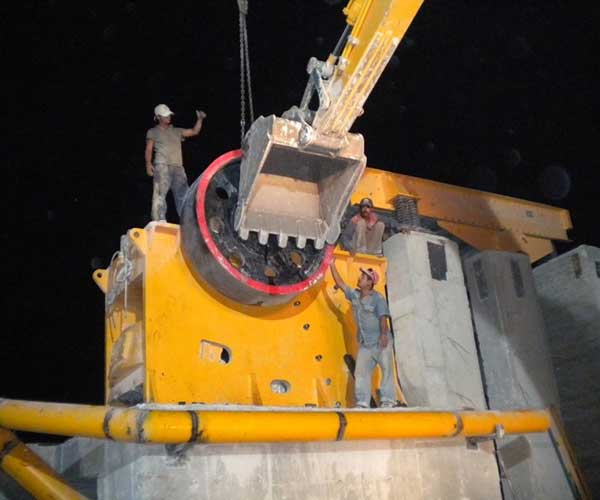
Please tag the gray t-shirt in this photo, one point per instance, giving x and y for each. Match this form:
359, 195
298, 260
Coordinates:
167, 144
367, 312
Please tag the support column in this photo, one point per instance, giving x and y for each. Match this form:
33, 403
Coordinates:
517, 367
569, 290
436, 355
435, 345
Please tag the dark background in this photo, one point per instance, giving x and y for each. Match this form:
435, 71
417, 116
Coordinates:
500, 96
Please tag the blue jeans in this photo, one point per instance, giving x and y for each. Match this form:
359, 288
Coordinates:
366, 360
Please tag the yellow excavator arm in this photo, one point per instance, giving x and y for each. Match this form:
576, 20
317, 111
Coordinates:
299, 171
377, 28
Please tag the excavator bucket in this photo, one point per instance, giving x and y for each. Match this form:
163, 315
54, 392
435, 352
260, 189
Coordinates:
295, 182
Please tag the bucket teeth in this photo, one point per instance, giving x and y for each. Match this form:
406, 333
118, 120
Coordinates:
282, 240
263, 237
300, 242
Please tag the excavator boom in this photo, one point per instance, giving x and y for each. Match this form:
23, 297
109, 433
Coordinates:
299, 171
377, 28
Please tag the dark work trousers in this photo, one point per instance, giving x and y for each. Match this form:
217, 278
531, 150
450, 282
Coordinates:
168, 177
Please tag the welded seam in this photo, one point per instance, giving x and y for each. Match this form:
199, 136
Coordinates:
342, 427
140, 420
460, 426
7, 448
194, 434
106, 423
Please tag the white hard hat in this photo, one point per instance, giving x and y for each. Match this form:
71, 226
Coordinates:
162, 110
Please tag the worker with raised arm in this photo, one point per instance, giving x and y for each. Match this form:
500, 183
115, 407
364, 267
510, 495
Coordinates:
374, 344
164, 142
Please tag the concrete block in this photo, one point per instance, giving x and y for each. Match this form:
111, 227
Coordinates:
76, 458
402, 470
569, 290
434, 341
517, 367
345, 470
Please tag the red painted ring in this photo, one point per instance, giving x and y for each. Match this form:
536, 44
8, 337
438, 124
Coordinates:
208, 174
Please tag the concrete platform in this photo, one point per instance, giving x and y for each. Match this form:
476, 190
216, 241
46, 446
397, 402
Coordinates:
394, 470
434, 343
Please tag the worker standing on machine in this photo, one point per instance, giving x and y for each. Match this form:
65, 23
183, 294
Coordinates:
164, 141
374, 345
368, 231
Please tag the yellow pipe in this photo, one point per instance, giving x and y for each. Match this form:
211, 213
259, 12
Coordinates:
513, 422
231, 426
31, 472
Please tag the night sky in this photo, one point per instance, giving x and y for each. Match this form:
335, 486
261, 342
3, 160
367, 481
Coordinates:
494, 95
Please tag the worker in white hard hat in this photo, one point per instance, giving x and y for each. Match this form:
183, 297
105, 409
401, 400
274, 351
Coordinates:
164, 160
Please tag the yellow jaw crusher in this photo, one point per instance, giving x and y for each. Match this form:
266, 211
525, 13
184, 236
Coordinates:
236, 305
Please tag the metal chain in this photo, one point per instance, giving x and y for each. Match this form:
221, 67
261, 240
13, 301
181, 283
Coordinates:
248, 78
244, 69
241, 5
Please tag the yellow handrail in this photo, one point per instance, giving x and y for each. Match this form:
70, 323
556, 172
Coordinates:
246, 426
31, 472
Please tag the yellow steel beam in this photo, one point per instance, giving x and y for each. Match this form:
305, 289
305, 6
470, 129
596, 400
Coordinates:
465, 206
486, 221
506, 240
31, 472
230, 426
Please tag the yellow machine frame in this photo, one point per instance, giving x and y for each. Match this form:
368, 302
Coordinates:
486, 221
186, 343
183, 342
